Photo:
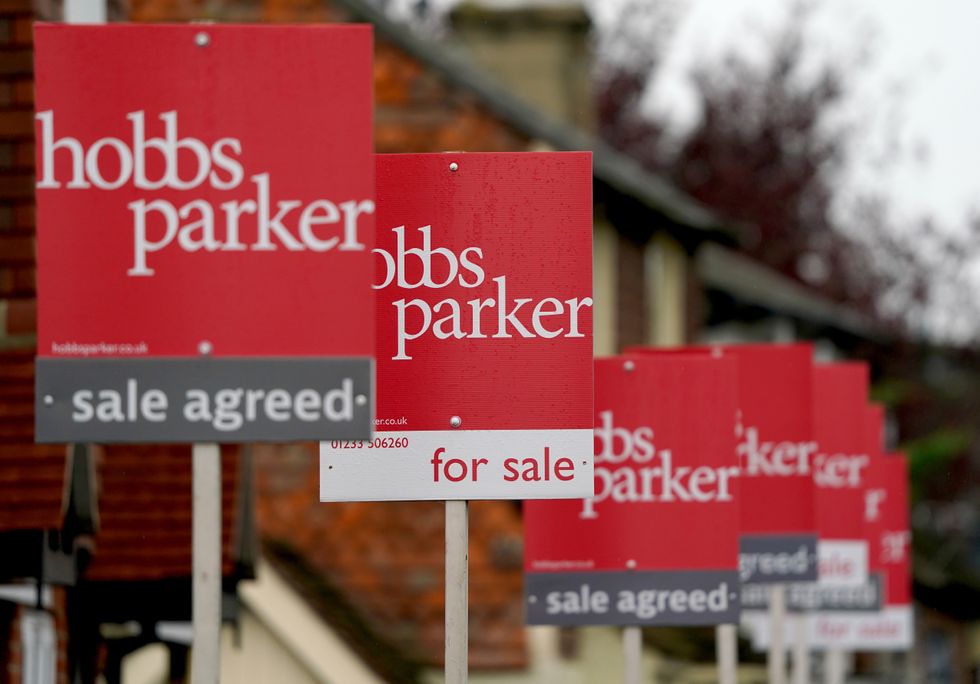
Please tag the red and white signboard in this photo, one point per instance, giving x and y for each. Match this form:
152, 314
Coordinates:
891, 628
202, 190
658, 542
484, 317
887, 518
775, 447
840, 471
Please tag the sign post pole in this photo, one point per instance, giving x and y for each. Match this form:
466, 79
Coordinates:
777, 622
834, 666
726, 646
801, 652
206, 548
633, 655
457, 587
85, 11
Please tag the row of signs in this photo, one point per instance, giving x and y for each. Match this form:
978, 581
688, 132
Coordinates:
215, 266
720, 472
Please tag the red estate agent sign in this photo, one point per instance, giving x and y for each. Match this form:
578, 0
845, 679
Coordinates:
778, 540
778, 524
484, 283
658, 543
887, 524
836, 596
204, 190
840, 470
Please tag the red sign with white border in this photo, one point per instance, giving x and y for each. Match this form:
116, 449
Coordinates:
840, 470
887, 521
658, 543
775, 448
484, 317
205, 217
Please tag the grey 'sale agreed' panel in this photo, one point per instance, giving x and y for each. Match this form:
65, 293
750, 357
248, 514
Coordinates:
650, 597
812, 596
180, 400
777, 558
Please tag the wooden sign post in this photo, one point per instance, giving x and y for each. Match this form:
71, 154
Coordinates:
484, 345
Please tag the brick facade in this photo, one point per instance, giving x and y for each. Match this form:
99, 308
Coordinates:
37, 472
18, 310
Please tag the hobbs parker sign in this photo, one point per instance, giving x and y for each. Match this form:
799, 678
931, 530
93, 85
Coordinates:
658, 542
484, 309
204, 191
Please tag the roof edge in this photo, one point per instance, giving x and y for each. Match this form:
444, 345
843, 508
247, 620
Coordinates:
611, 167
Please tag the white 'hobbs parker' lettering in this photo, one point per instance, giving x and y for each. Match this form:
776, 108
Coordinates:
111, 163
773, 458
496, 317
785, 458
660, 481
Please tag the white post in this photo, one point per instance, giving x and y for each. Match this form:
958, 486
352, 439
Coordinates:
834, 666
206, 541
85, 11
726, 647
633, 655
777, 627
457, 587
801, 651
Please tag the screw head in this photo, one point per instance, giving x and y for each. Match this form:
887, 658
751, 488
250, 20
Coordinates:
205, 348
454, 167
532, 599
360, 400
202, 39
48, 400
629, 366
455, 422
631, 564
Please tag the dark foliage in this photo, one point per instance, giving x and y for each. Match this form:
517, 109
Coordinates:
768, 151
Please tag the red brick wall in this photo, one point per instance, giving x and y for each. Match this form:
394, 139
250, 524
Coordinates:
415, 111
16, 170
18, 306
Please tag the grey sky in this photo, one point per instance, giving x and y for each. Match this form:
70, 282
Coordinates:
919, 84
923, 57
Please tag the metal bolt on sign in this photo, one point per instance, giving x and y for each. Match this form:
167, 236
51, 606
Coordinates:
454, 166
202, 39
629, 366
455, 422
205, 348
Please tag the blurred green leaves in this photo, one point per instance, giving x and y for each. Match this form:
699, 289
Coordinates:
930, 456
